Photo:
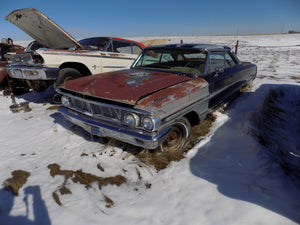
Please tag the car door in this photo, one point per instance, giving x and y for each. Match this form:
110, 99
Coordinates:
222, 75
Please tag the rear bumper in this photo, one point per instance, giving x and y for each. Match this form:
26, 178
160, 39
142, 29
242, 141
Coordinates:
105, 129
32, 73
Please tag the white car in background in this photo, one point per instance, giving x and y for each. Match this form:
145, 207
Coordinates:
65, 58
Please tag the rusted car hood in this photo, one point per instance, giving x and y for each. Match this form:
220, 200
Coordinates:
41, 28
126, 86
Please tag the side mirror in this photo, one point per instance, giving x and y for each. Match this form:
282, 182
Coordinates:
218, 71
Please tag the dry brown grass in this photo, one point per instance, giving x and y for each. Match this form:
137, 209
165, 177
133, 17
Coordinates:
81, 177
275, 127
158, 160
246, 88
201, 129
17, 181
53, 107
109, 202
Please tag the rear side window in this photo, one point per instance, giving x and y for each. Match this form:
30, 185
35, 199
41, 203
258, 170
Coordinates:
126, 47
94, 43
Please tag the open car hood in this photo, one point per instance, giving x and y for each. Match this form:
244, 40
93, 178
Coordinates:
42, 29
125, 86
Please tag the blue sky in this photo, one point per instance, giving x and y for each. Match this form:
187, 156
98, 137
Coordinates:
134, 18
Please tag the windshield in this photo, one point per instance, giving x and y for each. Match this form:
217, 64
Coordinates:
94, 43
177, 60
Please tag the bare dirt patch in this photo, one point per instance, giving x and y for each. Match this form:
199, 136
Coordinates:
17, 181
81, 177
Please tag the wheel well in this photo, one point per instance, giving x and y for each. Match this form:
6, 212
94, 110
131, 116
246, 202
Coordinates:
78, 66
193, 118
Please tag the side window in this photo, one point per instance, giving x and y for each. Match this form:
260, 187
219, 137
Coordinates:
121, 47
126, 47
216, 61
136, 49
149, 58
166, 57
229, 61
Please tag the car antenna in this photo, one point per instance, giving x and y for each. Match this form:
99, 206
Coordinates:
236, 47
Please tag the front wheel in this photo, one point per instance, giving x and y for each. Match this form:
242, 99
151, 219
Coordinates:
178, 138
65, 75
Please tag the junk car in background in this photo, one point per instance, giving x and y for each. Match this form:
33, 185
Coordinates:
63, 57
7, 49
153, 104
7, 46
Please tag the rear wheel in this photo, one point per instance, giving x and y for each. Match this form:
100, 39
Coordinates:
178, 138
65, 75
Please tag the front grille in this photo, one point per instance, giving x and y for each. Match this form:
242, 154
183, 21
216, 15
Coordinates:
78, 104
21, 59
96, 109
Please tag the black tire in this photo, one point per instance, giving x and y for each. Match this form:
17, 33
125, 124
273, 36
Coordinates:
65, 75
19, 87
178, 138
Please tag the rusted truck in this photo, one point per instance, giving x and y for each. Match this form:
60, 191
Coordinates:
63, 57
153, 104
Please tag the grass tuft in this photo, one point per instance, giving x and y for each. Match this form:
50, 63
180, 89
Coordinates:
158, 160
17, 181
201, 129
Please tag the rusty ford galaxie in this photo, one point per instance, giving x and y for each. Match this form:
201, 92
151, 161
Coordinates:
153, 104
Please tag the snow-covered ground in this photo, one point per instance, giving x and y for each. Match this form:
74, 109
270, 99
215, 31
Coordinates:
245, 171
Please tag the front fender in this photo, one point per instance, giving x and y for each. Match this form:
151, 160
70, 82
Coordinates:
171, 100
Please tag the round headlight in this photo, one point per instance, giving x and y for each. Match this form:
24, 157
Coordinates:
131, 119
148, 123
65, 101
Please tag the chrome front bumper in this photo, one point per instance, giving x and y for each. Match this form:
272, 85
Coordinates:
32, 73
104, 129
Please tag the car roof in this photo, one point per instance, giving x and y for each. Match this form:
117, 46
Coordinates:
115, 38
193, 46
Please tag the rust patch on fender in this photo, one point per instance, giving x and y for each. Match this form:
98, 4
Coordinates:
160, 98
114, 54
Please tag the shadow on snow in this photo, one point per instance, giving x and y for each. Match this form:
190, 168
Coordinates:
38, 207
243, 168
